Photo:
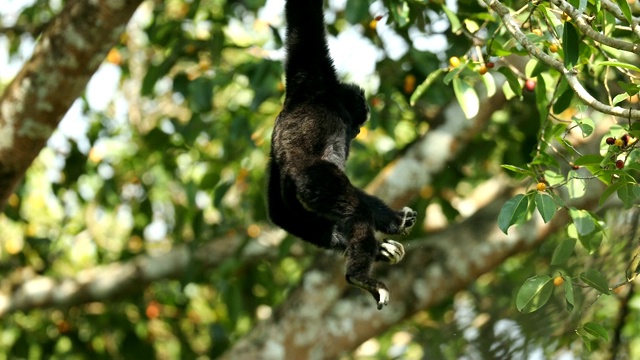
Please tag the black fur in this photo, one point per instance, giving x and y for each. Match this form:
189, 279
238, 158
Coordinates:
309, 194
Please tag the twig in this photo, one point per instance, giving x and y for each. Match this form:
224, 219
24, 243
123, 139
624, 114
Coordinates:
570, 74
587, 30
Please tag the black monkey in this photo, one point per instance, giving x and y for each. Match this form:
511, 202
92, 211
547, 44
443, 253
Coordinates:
309, 194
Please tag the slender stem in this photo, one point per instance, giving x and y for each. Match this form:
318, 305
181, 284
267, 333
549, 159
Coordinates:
570, 74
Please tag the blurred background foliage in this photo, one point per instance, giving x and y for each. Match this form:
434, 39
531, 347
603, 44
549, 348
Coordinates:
177, 154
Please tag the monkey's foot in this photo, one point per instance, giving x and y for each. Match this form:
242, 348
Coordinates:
383, 298
391, 251
377, 289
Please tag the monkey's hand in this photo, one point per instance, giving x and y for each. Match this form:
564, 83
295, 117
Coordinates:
390, 251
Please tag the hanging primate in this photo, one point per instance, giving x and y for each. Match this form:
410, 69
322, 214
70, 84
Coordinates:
309, 194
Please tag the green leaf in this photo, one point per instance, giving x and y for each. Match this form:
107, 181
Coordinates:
453, 73
489, 83
356, 11
422, 88
467, 98
596, 330
512, 79
633, 269
541, 99
583, 221
619, 64
209, 180
568, 293
596, 280
553, 178
577, 186
201, 94
626, 194
519, 170
590, 242
630, 88
219, 192
626, 10
514, 211
590, 159
571, 45
563, 251
619, 98
546, 206
534, 293
586, 125
563, 101
400, 13
543, 158
611, 189
453, 19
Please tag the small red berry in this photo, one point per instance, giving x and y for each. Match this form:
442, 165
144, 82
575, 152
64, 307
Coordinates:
611, 141
620, 164
530, 84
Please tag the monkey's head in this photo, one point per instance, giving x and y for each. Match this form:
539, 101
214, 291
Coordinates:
354, 102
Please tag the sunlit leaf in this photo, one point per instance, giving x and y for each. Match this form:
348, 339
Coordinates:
553, 178
619, 98
489, 83
453, 19
576, 185
583, 221
467, 97
422, 88
534, 293
619, 64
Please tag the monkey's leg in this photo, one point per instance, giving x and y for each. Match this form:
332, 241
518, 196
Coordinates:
362, 251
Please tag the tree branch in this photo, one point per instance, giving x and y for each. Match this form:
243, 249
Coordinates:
117, 279
320, 320
570, 74
68, 53
586, 29
617, 12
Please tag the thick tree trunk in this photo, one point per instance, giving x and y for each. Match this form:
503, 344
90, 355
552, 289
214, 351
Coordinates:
66, 56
